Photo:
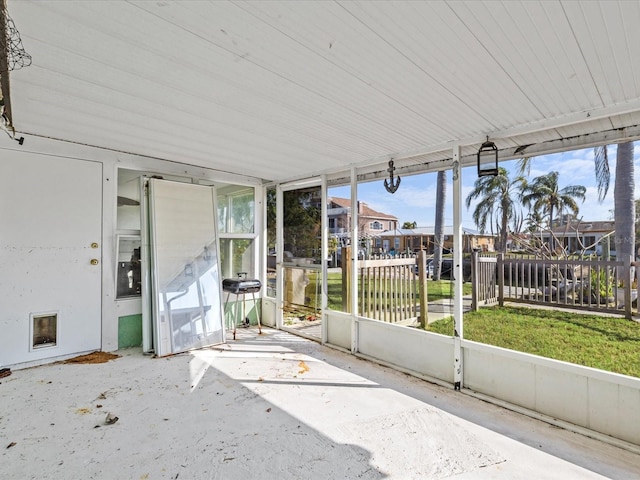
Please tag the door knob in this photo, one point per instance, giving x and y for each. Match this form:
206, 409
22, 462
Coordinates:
94, 261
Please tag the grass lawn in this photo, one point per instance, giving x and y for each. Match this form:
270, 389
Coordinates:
607, 343
444, 289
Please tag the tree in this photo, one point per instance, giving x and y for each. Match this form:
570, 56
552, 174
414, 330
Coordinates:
438, 232
624, 190
498, 204
637, 217
409, 225
544, 195
534, 221
301, 217
271, 218
301, 222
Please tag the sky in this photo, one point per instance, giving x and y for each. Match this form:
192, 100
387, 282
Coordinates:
415, 199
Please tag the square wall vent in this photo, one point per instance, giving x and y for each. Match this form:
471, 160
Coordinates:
44, 330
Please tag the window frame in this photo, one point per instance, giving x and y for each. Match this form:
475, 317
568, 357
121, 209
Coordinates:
226, 223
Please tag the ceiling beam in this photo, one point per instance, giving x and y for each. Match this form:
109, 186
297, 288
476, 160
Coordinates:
608, 137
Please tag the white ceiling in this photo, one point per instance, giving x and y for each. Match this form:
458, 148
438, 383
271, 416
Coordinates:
285, 90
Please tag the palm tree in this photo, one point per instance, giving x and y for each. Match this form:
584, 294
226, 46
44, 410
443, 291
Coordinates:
624, 189
544, 195
498, 203
438, 231
533, 221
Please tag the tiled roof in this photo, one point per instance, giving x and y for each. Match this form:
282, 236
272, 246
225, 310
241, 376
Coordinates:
366, 210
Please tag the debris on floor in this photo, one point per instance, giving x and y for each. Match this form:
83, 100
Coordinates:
94, 357
303, 367
5, 372
111, 419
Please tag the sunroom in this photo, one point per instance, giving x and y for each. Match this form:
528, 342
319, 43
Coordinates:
154, 149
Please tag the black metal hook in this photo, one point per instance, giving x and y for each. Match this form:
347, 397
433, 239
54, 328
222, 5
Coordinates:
391, 184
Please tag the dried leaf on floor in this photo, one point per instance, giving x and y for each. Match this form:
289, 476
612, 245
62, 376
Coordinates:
303, 367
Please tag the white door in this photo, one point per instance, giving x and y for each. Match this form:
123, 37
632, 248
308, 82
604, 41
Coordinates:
186, 287
50, 257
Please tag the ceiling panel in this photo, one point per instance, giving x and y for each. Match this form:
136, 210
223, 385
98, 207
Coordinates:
610, 43
283, 90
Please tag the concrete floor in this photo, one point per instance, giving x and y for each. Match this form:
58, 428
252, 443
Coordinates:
273, 406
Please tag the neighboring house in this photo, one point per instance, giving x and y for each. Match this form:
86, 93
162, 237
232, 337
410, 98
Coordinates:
516, 241
577, 236
370, 222
422, 238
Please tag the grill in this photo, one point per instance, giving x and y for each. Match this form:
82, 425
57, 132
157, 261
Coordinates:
242, 286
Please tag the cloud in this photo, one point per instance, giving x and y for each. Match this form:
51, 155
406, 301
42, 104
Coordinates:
591, 209
576, 170
413, 201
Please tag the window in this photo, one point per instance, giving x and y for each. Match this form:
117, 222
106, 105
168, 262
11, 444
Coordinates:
375, 225
301, 234
236, 219
236, 209
236, 256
